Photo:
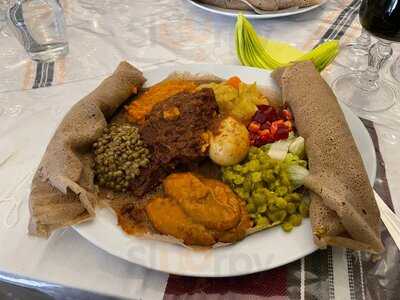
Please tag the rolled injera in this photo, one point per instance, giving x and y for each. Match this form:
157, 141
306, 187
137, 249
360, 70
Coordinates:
267, 5
63, 192
343, 210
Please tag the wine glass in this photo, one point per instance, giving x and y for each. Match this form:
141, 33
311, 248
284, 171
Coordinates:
354, 56
3, 23
3, 10
366, 91
395, 69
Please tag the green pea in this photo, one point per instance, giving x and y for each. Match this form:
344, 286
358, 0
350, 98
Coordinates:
262, 190
261, 221
294, 197
238, 168
295, 219
259, 199
278, 216
271, 199
229, 175
253, 165
268, 176
281, 190
256, 177
253, 150
242, 193
227, 168
251, 207
265, 148
258, 185
262, 208
238, 180
247, 185
265, 161
273, 185
280, 203
287, 227
285, 179
291, 208
272, 207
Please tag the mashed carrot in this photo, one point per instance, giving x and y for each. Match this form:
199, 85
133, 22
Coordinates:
143, 105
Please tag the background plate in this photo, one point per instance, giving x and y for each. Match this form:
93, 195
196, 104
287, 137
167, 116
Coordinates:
262, 251
253, 15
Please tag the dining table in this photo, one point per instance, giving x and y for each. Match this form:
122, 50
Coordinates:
150, 34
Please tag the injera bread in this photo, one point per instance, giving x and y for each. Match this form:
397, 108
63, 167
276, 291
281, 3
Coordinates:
267, 5
343, 210
63, 192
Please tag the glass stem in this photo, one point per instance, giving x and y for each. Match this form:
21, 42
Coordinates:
364, 40
395, 69
379, 54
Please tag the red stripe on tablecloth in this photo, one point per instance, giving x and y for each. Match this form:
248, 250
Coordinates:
271, 284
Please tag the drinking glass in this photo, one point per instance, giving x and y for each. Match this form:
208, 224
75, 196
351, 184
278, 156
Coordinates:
40, 27
365, 90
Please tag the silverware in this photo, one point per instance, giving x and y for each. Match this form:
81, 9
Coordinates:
390, 219
264, 12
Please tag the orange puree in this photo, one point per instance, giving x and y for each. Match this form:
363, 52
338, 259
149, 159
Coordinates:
143, 105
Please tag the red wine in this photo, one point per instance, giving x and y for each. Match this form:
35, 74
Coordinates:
381, 18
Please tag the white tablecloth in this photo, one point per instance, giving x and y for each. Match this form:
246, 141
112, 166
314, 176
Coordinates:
101, 34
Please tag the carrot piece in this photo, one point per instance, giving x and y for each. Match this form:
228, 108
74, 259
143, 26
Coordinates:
234, 82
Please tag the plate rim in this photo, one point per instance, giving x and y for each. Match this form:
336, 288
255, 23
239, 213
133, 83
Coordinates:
194, 68
249, 15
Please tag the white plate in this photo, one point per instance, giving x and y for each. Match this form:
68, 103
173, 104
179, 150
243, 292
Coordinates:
251, 14
262, 251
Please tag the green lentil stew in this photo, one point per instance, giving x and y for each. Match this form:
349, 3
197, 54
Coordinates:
119, 155
266, 186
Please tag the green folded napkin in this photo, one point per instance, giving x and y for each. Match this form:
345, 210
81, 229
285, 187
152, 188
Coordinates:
256, 51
